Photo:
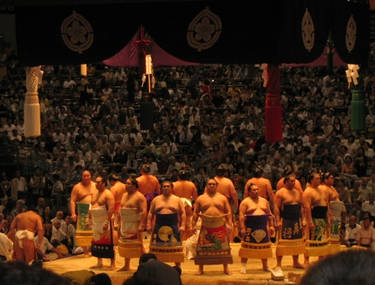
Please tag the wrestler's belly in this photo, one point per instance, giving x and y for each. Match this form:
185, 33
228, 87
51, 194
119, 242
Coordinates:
213, 211
166, 211
85, 200
257, 212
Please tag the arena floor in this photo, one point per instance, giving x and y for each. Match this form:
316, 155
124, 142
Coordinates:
213, 273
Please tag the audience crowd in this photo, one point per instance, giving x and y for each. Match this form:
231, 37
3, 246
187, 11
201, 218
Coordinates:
196, 118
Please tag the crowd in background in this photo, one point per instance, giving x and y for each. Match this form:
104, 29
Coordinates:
196, 118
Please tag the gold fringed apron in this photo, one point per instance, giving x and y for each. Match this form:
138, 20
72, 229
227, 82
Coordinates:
130, 245
83, 235
291, 240
334, 239
318, 242
102, 242
213, 242
256, 242
165, 240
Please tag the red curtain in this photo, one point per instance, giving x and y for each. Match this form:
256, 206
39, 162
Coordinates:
273, 112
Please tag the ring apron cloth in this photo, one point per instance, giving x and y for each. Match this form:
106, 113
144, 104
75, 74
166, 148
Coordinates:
291, 240
102, 242
334, 239
129, 243
318, 242
256, 242
213, 242
165, 240
83, 235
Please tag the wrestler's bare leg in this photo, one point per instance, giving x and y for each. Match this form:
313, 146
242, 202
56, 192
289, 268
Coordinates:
296, 263
278, 260
86, 252
141, 237
126, 267
115, 237
113, 264
29, 250
200, 270
265, 264
18, 252
99, 264
307, 260
226, 269
243, 265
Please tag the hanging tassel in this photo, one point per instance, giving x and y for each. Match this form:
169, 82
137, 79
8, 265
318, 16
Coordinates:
357, 121
31, 115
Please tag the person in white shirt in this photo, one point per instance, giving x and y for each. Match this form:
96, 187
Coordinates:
6, 248
18, 186
60, 218
369, 206
366, 235
45, 249
351, 231
58, 235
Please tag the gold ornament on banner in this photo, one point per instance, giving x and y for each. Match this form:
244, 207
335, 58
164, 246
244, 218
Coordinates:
77, 33
351, 34
308, 31
204, 30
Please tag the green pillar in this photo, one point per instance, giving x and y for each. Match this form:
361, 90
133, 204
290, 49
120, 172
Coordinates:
358, 110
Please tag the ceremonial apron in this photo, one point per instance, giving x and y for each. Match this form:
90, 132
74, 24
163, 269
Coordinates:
165, 240
102, 243
291, 237
334, 239
213, 242
256, 242
318, 242
83, 235
130, 244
